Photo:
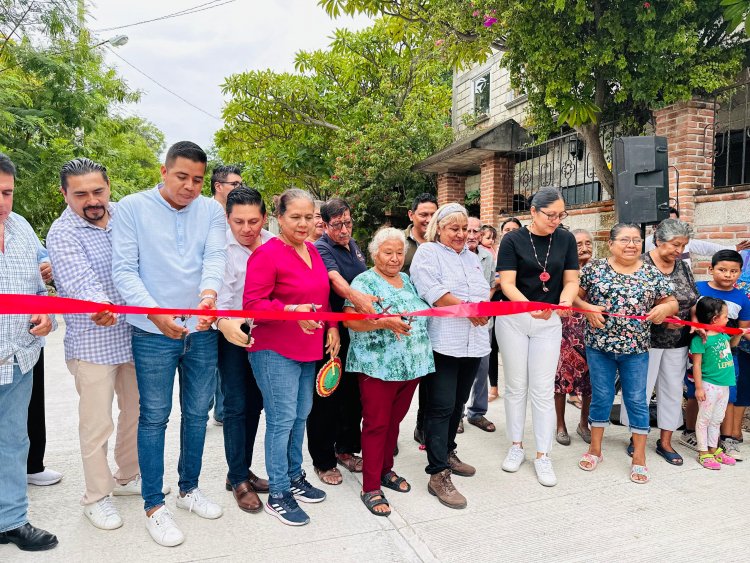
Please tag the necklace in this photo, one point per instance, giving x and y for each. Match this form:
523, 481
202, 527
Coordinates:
544, 276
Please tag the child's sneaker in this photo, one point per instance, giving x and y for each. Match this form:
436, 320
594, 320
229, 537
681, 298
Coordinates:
723, 458
709, 461
731, 446
303, 491
286, 509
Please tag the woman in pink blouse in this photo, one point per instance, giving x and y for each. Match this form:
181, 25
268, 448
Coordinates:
287, 274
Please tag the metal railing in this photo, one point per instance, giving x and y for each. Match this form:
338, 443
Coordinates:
563, 161
731, 130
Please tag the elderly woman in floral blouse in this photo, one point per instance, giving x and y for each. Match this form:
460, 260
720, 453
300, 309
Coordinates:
390, 355
623, 284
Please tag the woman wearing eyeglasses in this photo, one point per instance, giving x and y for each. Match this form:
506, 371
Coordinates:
536, 263
623, 284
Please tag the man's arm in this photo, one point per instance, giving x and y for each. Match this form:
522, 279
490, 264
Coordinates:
215, 252
74, 272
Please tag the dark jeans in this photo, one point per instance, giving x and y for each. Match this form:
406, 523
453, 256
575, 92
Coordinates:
447, 391
334, 422
493, 359
242, 405
422, 408
157, 357
36, 425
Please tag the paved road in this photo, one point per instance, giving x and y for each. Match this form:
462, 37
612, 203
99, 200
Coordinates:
599, 516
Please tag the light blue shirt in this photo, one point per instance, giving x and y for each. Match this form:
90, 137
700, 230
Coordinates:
164, 257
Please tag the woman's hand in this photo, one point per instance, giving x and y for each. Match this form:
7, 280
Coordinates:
333, 342
232, 331
543, 314
394, 324
479, 321
594, 315
562, 313
309, 327
659, 313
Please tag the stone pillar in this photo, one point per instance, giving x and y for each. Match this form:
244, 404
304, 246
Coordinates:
689, 129
451, 187
496, 188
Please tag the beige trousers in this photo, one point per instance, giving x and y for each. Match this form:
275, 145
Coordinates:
96, 385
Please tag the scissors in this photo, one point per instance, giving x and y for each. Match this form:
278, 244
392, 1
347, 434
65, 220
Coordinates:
383, 309
247, 327
8, 360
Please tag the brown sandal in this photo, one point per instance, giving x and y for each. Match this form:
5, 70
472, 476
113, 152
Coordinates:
332, 473
482, 423
352, 462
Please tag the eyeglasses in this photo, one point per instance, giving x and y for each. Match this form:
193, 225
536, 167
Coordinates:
233, 184
554, 216
341, 225
625, 241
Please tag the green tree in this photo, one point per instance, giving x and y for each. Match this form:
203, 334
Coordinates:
581, 61
58, 101
350, 121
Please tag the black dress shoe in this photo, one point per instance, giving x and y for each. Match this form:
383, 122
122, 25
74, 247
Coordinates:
29, 538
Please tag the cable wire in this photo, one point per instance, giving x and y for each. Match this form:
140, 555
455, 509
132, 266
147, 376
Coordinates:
187, 11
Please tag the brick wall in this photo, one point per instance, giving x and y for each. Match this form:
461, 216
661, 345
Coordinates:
496, 187
451, 187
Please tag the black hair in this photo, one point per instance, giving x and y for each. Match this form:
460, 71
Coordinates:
423, 198
81, 167
490, 229
674, 210
7, 166
511, 220
726, 255
707, 308
244, 195
614, 231
546, 196
221, 173
185, 149
282, 202
333, 208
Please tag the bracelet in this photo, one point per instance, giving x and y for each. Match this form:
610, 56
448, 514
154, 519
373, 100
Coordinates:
207, 297
293, 308
216, 322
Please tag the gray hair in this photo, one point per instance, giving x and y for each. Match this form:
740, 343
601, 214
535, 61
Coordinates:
671, 228
382, 235
447, 213
583, 232
619, 227
290, 195
545, 197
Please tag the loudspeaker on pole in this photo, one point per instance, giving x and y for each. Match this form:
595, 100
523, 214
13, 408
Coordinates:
641, 176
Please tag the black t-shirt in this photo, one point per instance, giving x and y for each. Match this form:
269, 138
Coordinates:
349, 263
516, 253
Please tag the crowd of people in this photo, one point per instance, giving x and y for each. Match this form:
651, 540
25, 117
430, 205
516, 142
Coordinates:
171, 247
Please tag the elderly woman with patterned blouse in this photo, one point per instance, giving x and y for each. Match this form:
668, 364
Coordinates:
623, 284
445, 272
668, 355
390, 355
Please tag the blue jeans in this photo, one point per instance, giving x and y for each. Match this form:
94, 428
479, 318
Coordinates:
287, 388
157, 357
242, 405
633, 370
217, 401
14, 447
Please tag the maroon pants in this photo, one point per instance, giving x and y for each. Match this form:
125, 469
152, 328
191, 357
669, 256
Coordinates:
384, 406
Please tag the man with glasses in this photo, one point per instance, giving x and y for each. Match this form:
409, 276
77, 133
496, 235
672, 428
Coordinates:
333, 427
20, 345
223, 180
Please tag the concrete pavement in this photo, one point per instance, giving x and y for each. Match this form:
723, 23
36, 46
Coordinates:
686, 513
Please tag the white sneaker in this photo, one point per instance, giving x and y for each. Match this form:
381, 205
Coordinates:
133, 488
163, 529
196, 501
545, 474
103, 514
516, 456
732, 448
44, 478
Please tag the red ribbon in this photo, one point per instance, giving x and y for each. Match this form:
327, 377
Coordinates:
14, 304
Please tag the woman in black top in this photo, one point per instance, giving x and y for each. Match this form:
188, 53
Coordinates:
536, 263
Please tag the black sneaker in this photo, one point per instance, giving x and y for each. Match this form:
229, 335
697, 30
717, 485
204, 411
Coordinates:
303, 491
286, 509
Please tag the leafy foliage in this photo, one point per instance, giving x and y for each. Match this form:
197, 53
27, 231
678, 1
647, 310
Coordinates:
58, 101
350, 122
582, 61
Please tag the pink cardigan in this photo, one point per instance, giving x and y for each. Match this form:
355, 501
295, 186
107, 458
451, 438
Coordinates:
277, 276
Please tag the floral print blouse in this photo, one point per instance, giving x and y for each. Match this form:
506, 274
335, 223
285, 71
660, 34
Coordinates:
629, 294
378, 353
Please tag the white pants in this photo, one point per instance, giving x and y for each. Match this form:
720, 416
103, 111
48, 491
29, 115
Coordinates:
666, 371
530, 349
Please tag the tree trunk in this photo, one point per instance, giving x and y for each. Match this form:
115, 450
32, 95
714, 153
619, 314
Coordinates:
590, 134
